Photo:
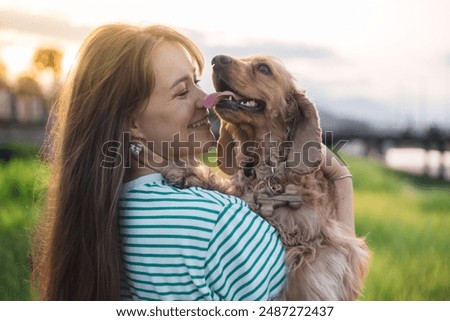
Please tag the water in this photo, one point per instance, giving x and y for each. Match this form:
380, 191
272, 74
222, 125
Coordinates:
418, 161
412, 160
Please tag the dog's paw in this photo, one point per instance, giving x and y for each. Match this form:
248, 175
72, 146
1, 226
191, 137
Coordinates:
175, 176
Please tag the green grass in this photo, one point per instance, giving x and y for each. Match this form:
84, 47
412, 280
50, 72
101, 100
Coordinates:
406, 221
21, 191
20, 150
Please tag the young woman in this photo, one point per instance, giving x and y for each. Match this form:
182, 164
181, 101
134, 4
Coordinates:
113, 229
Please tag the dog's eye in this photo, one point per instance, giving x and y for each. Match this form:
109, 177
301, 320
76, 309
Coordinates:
264, 69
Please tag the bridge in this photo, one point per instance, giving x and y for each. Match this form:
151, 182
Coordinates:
376, 143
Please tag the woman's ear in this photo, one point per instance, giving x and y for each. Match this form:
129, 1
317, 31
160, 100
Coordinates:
304, 132
133, 128
226, 158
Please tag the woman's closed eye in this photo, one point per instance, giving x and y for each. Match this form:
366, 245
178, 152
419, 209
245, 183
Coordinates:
185, 91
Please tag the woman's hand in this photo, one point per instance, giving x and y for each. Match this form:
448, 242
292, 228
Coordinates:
339, 173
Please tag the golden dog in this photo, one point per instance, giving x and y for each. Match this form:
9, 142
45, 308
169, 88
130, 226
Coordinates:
270, 144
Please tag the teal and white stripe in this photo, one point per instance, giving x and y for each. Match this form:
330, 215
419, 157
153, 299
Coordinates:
195, 244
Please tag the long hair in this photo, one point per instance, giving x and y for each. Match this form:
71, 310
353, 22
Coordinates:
76, 253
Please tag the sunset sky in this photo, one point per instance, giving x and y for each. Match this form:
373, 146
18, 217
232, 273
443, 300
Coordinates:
356, 58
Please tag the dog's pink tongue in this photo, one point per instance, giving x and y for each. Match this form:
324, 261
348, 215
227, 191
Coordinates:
211, 100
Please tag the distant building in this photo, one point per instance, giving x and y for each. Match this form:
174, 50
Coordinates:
29, 102
23, 112
6, 102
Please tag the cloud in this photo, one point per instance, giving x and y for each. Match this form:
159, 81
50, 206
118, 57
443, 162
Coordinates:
42, 25
62, 29
284, 50
277, 49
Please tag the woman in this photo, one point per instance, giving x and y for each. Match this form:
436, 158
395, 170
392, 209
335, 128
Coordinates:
114, 230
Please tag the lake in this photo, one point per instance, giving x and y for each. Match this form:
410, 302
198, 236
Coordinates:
417, 160
412, 160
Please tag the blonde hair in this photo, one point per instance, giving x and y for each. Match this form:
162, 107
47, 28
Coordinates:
76, 253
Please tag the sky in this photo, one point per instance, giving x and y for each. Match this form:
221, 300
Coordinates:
387, 60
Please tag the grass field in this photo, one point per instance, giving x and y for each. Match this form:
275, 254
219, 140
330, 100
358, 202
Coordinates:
21, 191
405, 219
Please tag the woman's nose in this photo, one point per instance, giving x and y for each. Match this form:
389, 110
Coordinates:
200, 97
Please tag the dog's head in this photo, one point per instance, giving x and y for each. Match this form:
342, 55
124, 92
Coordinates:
257, 97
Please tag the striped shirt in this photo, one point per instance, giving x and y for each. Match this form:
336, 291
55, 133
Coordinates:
195, 244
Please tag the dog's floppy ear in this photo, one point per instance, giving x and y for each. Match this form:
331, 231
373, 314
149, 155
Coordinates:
226, 158
304, 132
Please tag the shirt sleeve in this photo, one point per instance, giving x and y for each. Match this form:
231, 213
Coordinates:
245, 258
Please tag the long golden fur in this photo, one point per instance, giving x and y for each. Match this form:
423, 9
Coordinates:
270, 144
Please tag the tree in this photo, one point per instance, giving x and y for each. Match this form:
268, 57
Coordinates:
26, 85
3, 75
48, 58
3, 69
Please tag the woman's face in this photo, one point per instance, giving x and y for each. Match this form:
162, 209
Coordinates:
174, 119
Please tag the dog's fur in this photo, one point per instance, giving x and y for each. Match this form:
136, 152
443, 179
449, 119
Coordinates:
325, 260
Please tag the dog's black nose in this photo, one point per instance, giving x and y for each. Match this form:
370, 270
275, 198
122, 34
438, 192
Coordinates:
221, 61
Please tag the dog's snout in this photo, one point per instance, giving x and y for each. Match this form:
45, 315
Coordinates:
221, 61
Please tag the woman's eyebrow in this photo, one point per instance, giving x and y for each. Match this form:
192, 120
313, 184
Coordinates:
181, 79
